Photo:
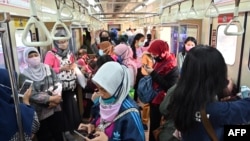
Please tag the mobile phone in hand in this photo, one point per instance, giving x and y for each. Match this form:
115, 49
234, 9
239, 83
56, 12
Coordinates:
26, 85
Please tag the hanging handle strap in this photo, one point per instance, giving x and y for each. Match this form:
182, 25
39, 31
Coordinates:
40, 25
212, 6
192, 14
235, 21
208, 126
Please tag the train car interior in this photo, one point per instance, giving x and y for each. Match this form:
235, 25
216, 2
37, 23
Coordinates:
222, 24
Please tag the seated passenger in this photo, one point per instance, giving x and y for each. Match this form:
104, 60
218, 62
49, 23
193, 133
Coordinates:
8, 124
201, 84
46, 95
114, 88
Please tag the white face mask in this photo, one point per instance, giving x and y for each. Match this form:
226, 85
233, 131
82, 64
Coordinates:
141, 44
34, 61
188, 48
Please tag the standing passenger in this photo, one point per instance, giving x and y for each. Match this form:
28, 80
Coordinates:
62, 61
164, 75
189, 43
202, 82
46, 95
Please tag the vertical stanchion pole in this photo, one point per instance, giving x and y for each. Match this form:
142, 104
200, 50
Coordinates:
8, 60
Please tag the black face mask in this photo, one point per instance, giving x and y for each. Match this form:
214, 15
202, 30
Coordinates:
102, 39
158, 59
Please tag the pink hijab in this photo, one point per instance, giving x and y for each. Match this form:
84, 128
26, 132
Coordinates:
126, 54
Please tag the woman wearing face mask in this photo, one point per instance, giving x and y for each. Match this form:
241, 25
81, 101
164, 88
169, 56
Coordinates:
61, 59
46, 95
189, 43
111, 124
138, 49
164, 75
106, 48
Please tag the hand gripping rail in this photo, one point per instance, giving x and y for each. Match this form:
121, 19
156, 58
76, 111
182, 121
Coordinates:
40, 25
59, 23
235, 21
212, 6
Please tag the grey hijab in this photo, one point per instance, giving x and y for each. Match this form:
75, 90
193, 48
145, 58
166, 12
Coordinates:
60, 52
36, 73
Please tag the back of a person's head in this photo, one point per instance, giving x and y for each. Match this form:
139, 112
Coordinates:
123, 38
102, 60
203, 77
149, 36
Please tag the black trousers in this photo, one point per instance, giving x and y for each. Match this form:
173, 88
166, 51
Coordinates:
155, 119
71, 114
50, 128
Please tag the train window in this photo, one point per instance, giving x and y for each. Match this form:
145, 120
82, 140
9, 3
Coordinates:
20, 47
2, 64
227, 44
165, 34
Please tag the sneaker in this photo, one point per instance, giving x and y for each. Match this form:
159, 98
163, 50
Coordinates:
145, 127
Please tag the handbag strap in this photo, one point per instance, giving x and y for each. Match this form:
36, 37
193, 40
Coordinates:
208, 126
104, 126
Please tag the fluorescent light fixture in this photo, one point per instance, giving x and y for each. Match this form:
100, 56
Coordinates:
138, 8
47, 10
126, 15
149, 2
91, 2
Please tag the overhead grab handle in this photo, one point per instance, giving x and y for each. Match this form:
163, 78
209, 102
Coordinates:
71, 16
4, 17
209, 8
192, 12
40, 25
235, 21
60, 24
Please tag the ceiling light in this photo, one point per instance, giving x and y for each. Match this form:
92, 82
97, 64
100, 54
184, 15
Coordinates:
138, 8
149, 2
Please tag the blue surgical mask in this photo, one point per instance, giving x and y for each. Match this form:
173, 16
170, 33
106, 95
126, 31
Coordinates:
101, 53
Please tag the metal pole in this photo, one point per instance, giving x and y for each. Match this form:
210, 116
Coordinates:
8, 59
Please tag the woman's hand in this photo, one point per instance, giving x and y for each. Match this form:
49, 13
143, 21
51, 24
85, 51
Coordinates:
99, 136
148, 69
87, 127
26, 96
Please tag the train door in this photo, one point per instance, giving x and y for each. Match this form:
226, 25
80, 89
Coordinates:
245, 67
229, 45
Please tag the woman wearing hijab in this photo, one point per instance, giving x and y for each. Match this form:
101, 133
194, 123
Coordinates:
125, 54
111, 124
46, 95
106, 48
61, 59
164, 75
8, 121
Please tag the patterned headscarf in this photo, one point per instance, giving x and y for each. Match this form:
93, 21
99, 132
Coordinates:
107, 47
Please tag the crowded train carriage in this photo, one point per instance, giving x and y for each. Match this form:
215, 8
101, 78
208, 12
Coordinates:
132, 70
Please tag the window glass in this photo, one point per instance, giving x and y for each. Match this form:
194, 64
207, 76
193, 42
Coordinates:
2, 64
20, 48
227, 44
